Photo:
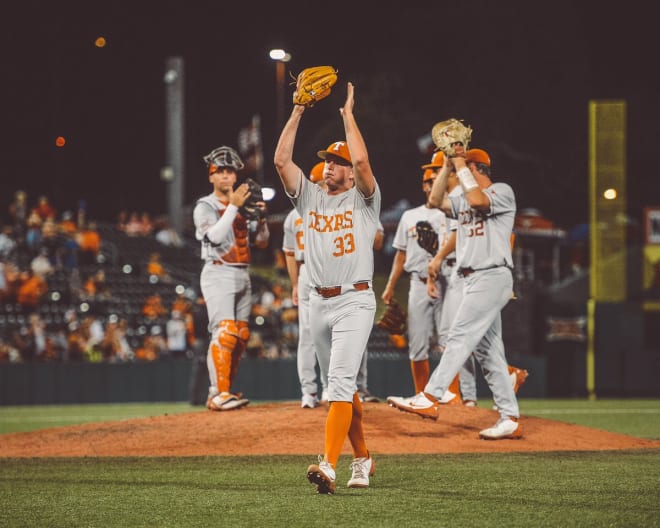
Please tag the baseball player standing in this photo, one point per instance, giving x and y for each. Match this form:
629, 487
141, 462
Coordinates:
339, 230
485, 213
424, 312
225, 235
294, 252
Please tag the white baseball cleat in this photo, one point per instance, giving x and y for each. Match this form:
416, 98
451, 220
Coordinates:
226, 402
309, 401
362, 469
418, 404
505, 427
450, 398
323, 475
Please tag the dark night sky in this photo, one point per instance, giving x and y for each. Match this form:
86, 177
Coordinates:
519, 73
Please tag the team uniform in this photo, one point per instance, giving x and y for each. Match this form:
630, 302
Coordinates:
226, 287
341, 297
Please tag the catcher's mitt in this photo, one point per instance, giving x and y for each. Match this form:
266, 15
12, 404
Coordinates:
447, 133
314, 84
250, 209
427, 237
393, 319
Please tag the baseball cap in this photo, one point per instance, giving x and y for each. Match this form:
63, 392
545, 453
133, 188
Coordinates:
437, 161
428, 175
316, 175
338, 149
477, 156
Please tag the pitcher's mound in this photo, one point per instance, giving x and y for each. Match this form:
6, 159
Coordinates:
286, 429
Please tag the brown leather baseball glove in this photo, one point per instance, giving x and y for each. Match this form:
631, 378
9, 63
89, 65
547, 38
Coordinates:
314, 84
447, 134
393, 319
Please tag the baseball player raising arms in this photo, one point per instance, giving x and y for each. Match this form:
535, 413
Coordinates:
485, 213
225, 282
339, 231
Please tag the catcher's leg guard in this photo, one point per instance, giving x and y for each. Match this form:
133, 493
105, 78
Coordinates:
243, 334
221, 353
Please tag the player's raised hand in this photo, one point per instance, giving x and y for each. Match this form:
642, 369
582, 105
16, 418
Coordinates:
350, 100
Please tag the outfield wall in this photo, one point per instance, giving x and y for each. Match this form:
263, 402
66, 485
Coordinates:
186, 380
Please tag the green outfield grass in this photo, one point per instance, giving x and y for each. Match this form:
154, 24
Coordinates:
555, 489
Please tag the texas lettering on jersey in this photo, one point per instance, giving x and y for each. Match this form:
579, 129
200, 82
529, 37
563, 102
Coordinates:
344, 243
325, 224
472, 222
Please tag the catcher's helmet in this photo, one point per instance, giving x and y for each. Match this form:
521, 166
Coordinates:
338, 149
477, 156
437, 161
317, 172
223, 157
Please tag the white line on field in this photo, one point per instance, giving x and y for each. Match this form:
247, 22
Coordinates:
594, 411
65, 418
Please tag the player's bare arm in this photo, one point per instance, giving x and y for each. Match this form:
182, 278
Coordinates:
288, 171
364, 177
292, 270
438, 195
395, 274
446, 249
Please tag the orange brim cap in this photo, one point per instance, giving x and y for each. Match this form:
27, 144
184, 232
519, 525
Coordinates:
338, 149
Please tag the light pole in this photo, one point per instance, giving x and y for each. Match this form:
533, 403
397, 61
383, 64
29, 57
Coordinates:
280, 57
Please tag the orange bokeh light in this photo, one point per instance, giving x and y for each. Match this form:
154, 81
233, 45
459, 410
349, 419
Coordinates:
60, 141
100, 42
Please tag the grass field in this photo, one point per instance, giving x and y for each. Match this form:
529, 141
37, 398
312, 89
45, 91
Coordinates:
556, 489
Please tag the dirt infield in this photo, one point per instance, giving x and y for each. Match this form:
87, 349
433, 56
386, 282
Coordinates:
285, 428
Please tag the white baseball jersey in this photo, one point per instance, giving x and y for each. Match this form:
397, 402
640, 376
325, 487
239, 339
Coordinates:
481, 244
333, 226
292, 239
231, 228
405, 238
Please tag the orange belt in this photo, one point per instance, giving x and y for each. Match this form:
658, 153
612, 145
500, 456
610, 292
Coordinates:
333, 291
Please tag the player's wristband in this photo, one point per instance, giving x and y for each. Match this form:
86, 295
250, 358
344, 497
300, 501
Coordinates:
467, 180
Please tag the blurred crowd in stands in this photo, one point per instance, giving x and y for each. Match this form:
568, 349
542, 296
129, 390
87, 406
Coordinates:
57, 303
